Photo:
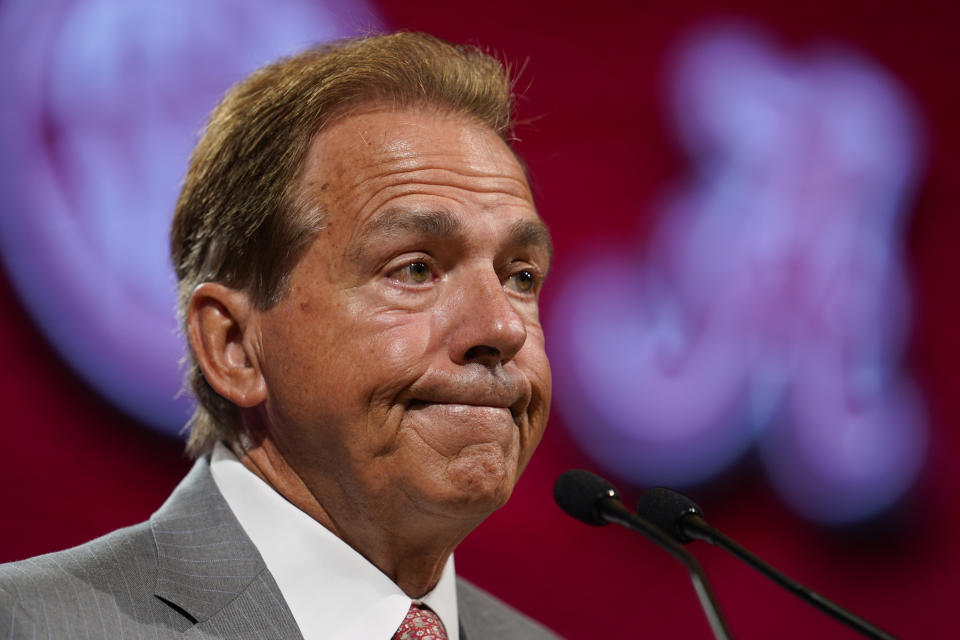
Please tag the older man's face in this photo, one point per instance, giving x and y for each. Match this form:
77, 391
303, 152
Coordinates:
406, 367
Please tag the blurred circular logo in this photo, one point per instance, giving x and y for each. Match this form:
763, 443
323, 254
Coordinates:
104, 100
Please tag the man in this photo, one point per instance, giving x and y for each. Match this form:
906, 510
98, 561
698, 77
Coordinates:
359, 261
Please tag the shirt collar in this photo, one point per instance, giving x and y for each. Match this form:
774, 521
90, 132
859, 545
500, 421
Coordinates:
331, 590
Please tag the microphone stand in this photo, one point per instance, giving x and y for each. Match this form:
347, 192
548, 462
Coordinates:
612, 510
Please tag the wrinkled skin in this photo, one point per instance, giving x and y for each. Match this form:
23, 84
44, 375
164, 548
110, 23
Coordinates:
403, 383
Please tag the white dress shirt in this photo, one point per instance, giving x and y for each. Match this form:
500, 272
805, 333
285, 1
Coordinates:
333, 592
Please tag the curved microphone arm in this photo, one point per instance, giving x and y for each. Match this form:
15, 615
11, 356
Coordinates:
680, 518
697, 528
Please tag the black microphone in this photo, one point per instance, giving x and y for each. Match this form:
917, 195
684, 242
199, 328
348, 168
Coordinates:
591, 499
682, 519
584, 496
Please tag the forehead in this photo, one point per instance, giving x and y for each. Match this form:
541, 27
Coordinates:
368, 158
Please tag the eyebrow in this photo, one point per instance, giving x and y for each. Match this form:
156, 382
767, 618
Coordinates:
441, 223
533, 233
433, 222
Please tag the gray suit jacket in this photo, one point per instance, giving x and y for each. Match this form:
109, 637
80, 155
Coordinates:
189, 572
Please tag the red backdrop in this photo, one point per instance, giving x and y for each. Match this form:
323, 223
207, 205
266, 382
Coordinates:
599, 149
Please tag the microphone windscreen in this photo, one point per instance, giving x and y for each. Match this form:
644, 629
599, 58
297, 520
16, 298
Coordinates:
665, 508
579, 493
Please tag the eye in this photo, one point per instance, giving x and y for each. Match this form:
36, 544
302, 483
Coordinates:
414, 273
524, 281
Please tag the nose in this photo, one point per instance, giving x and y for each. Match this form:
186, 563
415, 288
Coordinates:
486, 327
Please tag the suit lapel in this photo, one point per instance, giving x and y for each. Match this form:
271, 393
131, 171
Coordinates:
209, 569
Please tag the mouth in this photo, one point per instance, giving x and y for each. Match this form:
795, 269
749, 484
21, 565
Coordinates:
515, 410
469, 393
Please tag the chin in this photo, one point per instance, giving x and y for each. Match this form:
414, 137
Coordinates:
481, 481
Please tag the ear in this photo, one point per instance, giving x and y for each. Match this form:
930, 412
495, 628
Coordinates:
222, 329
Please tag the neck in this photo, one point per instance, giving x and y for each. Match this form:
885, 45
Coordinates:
411, 548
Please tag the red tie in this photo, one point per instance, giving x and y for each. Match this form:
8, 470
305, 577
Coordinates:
420, 624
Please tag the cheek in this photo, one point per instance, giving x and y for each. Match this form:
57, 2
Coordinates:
304, 339
297, 372
402, 346
532, 359
380, 356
